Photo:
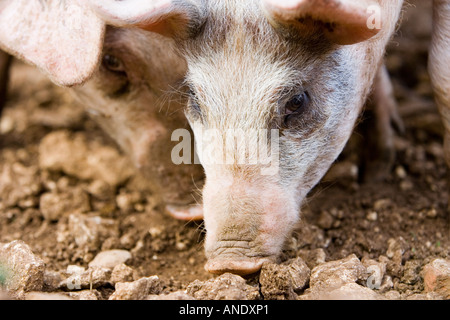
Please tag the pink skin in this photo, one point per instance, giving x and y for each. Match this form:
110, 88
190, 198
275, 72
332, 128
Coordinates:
265, 227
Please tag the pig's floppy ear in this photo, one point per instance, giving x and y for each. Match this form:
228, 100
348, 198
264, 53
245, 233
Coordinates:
62, 38
167, 17
344, 22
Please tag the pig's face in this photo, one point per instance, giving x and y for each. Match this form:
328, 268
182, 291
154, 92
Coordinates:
135, 97
248, 76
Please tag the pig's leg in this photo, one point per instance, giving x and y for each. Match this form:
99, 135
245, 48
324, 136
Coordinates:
5, 62
439, 66
380, 120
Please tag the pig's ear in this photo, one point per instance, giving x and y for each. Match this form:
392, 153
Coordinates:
167, 17
62, 38
343, 21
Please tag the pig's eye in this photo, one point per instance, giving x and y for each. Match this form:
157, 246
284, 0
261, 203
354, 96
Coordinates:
116, 78
113, 64
193, 102
295, 105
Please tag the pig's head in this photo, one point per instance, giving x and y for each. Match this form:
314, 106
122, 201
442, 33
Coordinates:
300, 67
129, 81
296, 69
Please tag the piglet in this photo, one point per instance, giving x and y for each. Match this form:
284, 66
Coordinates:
288, 75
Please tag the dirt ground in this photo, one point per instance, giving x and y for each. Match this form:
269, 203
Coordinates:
42, 201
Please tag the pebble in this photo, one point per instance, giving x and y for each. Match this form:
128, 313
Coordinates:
79, 278
54, 205
392, 295
313, 257
372, 216
52, 279
411, 272
284, 281
110, 258
122, 273
337, 273
137, 290
225, 287
18, 183
396, 249
349, 291
86, 295
24, 270
400, 172
382, 204
325, 220
436, 277
76, 155
431, 213
90, 230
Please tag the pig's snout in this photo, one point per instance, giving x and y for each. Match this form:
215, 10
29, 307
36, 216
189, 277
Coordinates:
235, 257
246, 225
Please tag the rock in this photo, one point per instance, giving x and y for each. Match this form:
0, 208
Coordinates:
45, 296
392, 295
137, 290
382, 204
280, 282
90, 230
386, 285
349, 291
122, 273
101, 190
426, 296
335, 274
396, 249
308, 235
24, 270
225, 287
54, 205
177, 295
86, 295
18, 183
127, 201
313, 257
77, 156
411, 272
436, 277
110, 258
325, 220
52, 279
372, 216
79, 278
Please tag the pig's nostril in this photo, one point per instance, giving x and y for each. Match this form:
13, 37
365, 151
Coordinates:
239, 266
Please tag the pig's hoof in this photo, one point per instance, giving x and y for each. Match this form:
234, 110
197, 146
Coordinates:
186, 213
240, 266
